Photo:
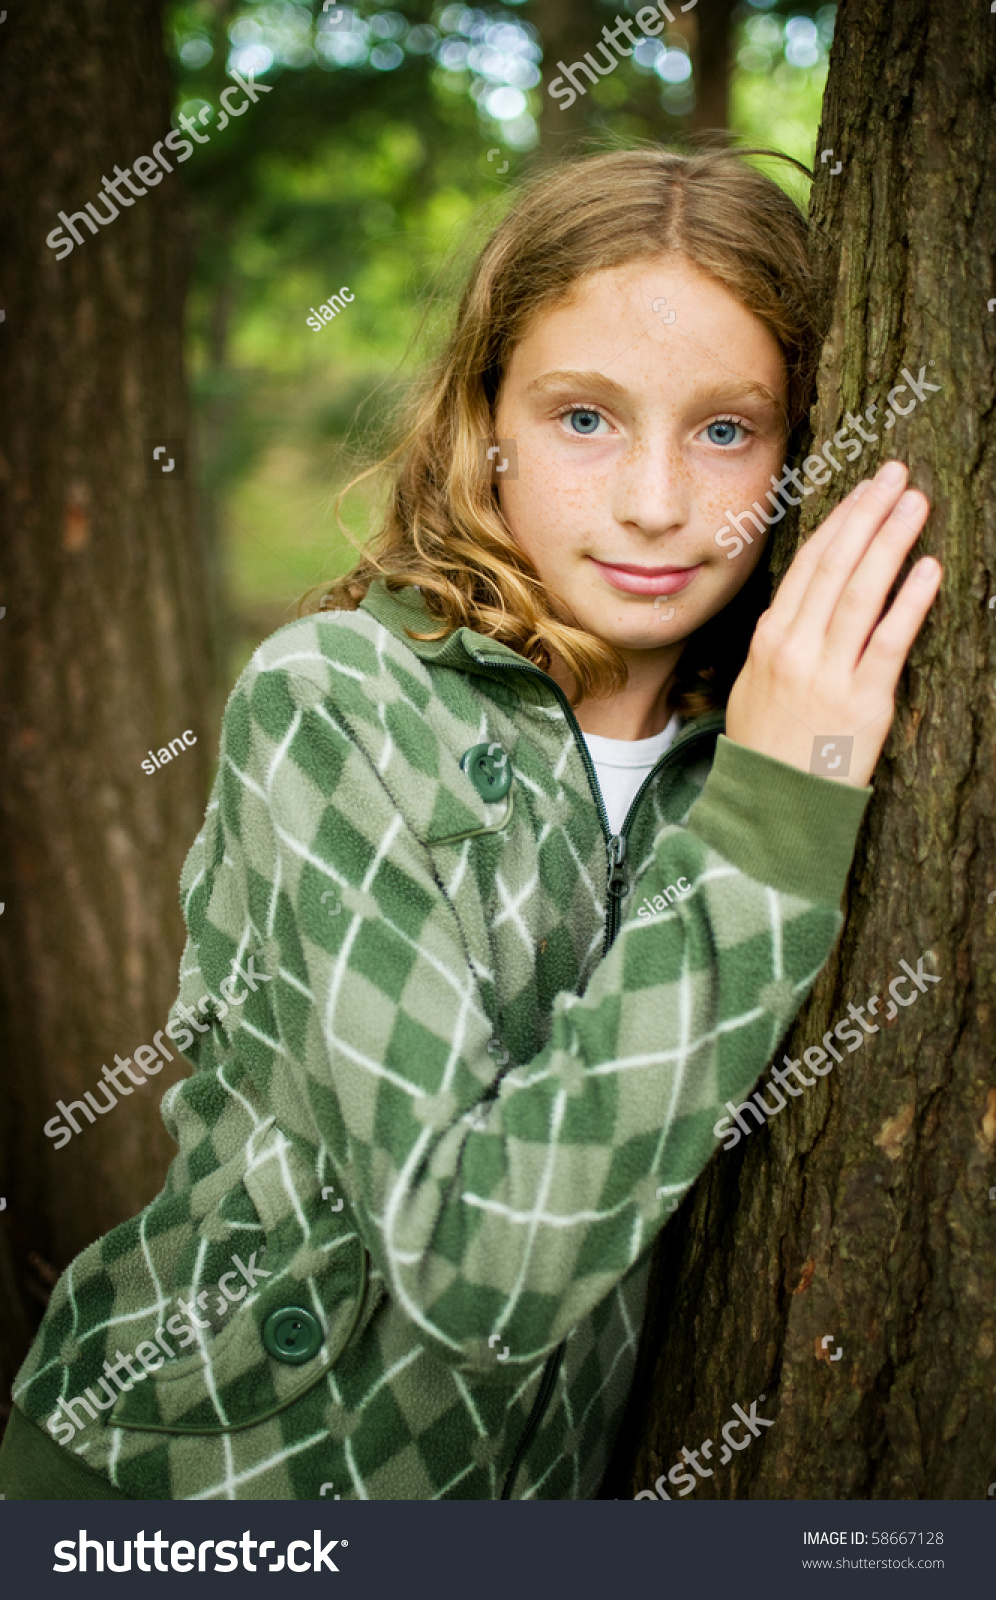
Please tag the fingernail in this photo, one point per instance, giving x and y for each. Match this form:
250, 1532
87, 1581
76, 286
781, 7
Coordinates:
892, 472
910, 501
923, 572
859, 490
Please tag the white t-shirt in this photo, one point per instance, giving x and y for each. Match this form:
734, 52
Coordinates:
622, 765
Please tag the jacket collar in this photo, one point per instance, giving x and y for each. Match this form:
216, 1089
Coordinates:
401, 609
467, 651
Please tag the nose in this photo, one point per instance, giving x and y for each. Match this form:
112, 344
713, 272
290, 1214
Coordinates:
651, 489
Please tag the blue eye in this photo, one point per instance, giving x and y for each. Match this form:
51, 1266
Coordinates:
584, 421
724, 432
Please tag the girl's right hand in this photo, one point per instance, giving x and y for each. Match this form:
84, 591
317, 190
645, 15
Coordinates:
819, 669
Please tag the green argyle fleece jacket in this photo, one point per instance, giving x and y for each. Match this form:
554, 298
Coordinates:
447, 1084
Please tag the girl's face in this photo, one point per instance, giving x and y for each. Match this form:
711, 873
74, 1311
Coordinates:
634, 436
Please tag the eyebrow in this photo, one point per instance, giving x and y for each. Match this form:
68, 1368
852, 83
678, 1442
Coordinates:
738, 388
575, 380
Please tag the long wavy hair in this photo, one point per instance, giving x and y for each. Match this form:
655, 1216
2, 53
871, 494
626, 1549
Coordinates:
443, 529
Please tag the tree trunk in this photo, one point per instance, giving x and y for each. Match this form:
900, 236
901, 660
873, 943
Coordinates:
864, 1212
567, 28
107, 634
713, 62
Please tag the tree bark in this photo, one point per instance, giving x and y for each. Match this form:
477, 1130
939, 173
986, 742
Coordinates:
863, 1212
106, 641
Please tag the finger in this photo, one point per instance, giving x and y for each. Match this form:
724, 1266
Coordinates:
864, 595
793, 586
890, 644
836, 565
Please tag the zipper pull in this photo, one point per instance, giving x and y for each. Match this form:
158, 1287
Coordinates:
616, 848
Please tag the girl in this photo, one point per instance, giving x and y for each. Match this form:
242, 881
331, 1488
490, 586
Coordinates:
448, 1083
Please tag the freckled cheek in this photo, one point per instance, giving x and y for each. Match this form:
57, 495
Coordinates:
712, 508
706, 497
544, 523
547, 497
760, 479
739, 490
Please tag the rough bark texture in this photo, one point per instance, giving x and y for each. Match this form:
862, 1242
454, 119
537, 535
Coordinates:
105, 646
863, 1211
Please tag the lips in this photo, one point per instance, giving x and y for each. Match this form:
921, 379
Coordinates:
645, 580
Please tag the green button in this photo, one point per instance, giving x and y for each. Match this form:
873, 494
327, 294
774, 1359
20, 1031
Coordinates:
292, 1334
489, 770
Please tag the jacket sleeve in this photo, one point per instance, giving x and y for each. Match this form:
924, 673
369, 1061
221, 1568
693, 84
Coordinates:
513, 1210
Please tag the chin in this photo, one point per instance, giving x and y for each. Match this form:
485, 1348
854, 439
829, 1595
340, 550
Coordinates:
647, 638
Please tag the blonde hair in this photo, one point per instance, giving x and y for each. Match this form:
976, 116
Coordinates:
443, 529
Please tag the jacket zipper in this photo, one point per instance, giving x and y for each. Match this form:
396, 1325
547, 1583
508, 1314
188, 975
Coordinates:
616, 884
615, 843
540, 1404
617, 895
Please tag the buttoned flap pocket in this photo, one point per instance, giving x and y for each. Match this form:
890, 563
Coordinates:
479, 801
303, 1294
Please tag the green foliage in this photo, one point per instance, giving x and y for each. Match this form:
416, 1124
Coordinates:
777, 90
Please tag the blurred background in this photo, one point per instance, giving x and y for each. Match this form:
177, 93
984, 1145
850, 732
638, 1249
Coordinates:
389, 147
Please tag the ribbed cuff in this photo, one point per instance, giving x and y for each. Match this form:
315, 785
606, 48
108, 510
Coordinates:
778, 824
